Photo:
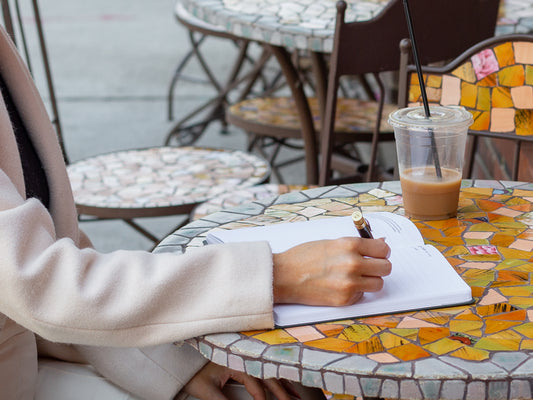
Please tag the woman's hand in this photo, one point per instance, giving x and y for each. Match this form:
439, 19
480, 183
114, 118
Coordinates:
330, 272
207, 384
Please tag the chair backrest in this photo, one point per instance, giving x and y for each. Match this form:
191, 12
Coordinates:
443, 29
22, 45
493, 80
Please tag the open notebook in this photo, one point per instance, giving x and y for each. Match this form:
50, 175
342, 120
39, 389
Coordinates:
421, 276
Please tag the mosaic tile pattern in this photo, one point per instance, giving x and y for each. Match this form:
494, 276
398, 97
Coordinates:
495, 85
238, 197
352, 115
309, 24
479, 351
162, 176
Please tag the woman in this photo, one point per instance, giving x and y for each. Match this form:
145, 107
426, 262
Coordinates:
121, 312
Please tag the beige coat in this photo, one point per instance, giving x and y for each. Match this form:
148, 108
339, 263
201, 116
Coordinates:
53, 284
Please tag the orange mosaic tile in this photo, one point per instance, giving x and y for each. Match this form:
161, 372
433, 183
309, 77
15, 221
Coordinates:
471, 354
408, 352
444, 346
429, 335
384, 321
331, 344
372, 345
330, 329
390, 340
505, 340
522, 302
277, 336
358, 333
497, 326
472, 328
468, 315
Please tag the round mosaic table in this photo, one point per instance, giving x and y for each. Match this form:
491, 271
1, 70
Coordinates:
479, 351
173, 179
309, 24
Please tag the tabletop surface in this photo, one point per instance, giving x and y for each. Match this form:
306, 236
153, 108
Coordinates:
309, 24
170, 176
477, 351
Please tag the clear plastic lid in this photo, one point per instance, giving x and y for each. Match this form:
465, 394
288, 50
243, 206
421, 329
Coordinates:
441, 117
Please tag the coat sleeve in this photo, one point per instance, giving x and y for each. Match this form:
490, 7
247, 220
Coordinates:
125, 298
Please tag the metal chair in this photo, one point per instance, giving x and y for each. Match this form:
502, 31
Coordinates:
157, 181
494, 81
192, 125
436, 41
362, 48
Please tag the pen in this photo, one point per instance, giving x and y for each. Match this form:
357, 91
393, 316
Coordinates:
362, 225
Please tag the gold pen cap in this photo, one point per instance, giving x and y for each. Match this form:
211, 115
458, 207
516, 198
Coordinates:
358, 220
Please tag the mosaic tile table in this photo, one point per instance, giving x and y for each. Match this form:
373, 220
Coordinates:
481, 351
309, 24
170, 178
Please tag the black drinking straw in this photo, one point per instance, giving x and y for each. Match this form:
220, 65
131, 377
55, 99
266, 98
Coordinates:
422, 86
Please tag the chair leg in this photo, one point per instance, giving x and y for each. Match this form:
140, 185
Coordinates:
187, 134
471, 157
258, 142
375, 136
176, 77
141, 230
516, 160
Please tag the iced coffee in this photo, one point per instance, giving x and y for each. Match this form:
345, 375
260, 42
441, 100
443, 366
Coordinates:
430, 159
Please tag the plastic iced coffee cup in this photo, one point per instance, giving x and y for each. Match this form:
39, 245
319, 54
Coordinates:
430, 158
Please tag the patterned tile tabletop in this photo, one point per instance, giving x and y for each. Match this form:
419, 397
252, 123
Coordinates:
163, 176
309, 24
235, 198
478, 351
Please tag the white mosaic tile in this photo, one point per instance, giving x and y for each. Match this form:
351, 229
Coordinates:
453, 389
410, 390
370, 386
220, 357
334, 382
475, 390
235, 362
270, 370
390, 389
352, 385
520, 390
288, 372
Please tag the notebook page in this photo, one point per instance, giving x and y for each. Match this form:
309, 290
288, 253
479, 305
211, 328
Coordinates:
396, 229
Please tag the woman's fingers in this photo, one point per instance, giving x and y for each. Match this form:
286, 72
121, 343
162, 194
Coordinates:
376, 248
377, 267
253, 385
278, 389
